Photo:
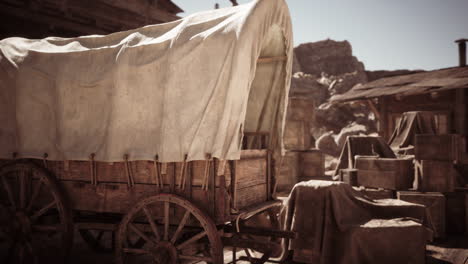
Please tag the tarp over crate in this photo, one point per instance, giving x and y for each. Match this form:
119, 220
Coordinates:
338, 225
189, 87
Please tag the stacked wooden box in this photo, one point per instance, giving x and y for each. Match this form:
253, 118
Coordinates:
436, 181
435, 204
299, 117
301, 162
299, 166
386, 173
434, 161
311, 165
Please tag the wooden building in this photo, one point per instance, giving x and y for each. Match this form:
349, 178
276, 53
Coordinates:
71, 18
440, 91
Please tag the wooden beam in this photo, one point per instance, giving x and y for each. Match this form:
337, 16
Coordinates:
42, 18
373, 109
271, 59
383, 121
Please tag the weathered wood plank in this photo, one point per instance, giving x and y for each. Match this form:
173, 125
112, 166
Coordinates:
393, 174
251, 195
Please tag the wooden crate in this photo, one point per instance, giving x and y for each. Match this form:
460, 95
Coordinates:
455, 212
297, 135
435, 203
435, 175
251, 178
288, 171
311, 165
349, 176
393, 174
301, 108
439, 147
376, 194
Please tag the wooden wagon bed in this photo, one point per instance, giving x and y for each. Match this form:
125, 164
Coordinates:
222, 189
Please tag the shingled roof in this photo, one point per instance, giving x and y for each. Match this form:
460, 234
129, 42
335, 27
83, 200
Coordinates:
410, 84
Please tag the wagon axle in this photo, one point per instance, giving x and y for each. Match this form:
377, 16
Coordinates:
164, 252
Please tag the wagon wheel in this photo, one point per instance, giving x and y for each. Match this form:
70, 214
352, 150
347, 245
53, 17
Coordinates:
35, 221
175, 232
267, 219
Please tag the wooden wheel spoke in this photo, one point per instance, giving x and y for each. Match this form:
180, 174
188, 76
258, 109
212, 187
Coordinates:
166, 221
29, 247
181, 225
34, 195
141, 234
21, 253
196, 258
9, 191
135, 251
22, 208
180, 241
22, 188
43, 210
152, 223
12, 247
193, 239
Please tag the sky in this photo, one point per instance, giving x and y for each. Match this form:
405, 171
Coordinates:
384, 34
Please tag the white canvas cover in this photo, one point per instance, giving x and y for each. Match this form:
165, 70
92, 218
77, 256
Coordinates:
189, 87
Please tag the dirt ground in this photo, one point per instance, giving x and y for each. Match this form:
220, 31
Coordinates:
453, 250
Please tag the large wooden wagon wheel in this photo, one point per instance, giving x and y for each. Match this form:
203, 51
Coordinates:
268, 220
35, 222
174, 229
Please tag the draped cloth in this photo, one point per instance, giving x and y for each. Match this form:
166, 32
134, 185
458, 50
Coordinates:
336, 224
410, 124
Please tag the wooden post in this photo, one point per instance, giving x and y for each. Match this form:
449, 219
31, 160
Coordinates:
383, 122
190, 179
460, 111
173, 177
268, 175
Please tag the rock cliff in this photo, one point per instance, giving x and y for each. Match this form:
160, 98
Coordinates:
322, 69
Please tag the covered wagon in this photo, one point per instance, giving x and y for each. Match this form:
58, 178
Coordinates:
163, 137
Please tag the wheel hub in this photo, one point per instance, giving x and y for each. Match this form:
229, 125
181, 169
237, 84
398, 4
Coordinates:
22, 223
165, 253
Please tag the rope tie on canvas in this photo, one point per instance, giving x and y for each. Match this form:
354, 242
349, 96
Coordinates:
44, 160
183, 174
130, 180
206, 176
92, 169
158, 176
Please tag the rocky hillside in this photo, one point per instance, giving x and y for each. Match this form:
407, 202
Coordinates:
326, 68
322, 69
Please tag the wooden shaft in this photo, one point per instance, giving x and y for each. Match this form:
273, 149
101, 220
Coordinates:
256, 231
252, 244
